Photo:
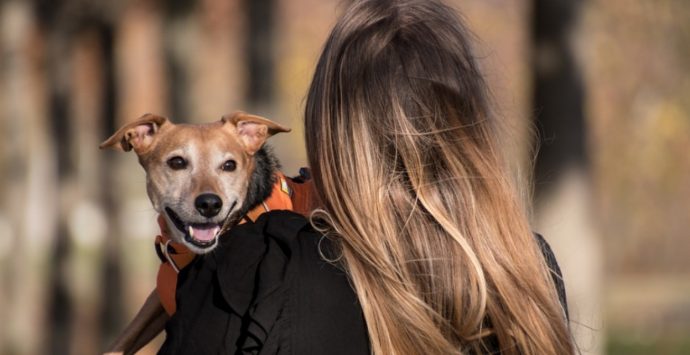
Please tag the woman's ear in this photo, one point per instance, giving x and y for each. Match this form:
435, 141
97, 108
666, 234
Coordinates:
252, 130
137, 135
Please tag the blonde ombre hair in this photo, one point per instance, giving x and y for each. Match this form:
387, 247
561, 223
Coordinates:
430, 229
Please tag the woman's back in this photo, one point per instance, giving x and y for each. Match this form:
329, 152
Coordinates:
405, 157
267, 289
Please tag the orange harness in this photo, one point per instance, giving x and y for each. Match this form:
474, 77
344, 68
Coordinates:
287, 194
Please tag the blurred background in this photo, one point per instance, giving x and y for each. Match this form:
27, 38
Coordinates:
605, 84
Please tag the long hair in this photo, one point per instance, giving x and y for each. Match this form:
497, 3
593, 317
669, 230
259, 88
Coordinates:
430, 229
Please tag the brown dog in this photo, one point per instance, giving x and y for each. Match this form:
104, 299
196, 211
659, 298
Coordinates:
200, 178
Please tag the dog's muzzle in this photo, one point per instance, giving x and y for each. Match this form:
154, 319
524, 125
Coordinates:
201, 235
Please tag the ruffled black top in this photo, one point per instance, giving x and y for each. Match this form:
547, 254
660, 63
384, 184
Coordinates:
266, 289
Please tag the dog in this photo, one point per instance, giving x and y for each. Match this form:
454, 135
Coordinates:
201, 179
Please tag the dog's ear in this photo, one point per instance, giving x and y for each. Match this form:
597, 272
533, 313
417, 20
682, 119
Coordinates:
252, 130
137, 135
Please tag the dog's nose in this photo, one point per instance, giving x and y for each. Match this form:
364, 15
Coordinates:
208, 204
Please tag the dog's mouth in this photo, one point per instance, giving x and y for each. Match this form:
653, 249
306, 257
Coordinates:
201, 235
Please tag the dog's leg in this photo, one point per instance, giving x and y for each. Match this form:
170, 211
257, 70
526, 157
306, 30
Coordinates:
155, 327
149, 322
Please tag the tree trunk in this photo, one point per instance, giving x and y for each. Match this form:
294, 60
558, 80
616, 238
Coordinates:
562, 178
259, 56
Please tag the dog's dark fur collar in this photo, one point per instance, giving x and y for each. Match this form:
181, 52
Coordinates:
262, 179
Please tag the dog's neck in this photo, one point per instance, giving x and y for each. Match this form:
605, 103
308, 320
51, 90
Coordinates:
262, 179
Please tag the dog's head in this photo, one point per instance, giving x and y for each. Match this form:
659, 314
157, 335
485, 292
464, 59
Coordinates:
196, 175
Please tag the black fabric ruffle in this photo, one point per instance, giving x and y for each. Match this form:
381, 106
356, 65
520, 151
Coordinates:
228, 301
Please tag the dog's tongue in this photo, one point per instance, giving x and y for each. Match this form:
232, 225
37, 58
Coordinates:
203, 233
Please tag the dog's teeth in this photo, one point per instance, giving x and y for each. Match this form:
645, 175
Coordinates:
191, 231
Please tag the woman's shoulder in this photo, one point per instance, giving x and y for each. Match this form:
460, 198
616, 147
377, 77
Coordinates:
323, 309
311, 260
298, 239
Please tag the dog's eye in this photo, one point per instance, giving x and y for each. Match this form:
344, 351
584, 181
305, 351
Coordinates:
229, 165
177, 163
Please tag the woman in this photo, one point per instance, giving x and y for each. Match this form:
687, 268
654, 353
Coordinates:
422, 245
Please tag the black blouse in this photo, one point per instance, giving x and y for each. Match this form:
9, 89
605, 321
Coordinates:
266, 289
